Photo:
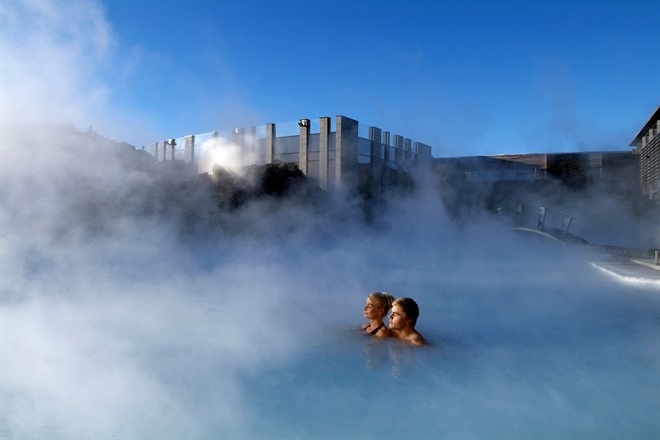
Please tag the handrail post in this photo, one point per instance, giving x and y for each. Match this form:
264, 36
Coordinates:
540, 223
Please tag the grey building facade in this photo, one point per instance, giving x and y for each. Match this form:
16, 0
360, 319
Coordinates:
343, 154
339, 153
647, 146
573, 170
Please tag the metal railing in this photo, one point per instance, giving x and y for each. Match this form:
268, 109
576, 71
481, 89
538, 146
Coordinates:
524, 209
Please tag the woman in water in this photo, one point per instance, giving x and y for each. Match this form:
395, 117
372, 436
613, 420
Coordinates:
375, 308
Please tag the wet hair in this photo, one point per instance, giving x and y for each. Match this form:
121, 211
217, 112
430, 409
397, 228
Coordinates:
409, 307
382, 300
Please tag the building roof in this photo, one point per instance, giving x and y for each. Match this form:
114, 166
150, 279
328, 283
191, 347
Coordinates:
651, 122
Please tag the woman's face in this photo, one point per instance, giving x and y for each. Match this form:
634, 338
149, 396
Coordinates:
370, 309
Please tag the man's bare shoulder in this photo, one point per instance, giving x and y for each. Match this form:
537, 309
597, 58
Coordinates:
417, 339
384, 332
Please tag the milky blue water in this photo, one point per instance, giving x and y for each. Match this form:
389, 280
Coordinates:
115, 326
258, 339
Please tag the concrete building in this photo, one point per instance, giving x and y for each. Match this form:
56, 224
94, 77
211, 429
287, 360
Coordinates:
338, 154
341, 153
573, 170
616, 170
517, 186
647, 146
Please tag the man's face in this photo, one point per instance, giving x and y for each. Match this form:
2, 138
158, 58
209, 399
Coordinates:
397, 318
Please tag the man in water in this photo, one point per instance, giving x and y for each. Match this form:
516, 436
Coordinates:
403, 319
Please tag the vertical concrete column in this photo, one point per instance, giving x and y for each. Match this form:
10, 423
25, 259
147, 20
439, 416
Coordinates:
161, 151
270, 142
407, 156
170, 144
190, 149
237, 137
346, 159
398, 158
215, 144
385, 178
237, 142
375, 162
398, 149
249, 152
304, 145
324, 140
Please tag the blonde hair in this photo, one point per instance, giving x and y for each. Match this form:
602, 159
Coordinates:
382, 300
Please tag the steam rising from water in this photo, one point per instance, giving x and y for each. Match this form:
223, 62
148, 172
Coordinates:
130, 330
113, 324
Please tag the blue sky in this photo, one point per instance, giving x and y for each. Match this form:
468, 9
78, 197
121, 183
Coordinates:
467, 77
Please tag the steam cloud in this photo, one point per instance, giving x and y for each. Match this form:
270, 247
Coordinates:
115, 324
